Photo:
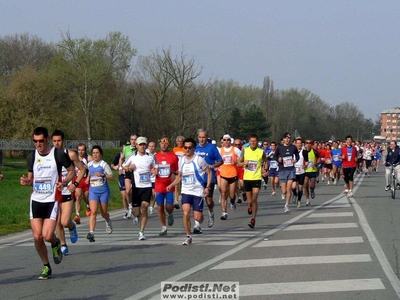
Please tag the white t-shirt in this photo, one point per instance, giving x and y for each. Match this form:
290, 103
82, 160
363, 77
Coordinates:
190, 182
143, 165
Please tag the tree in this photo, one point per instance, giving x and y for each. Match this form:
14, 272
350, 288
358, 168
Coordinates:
22, 50
91, 64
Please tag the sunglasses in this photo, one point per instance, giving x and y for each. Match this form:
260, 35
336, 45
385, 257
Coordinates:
38, 141
188, 148
225, 140
238, 144
308, 142
265, 144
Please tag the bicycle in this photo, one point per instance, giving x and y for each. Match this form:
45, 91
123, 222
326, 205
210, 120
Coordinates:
393, 181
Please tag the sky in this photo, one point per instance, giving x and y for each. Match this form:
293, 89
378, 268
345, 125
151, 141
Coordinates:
342, 51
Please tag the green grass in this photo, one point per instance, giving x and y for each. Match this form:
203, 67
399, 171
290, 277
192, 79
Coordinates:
14, 198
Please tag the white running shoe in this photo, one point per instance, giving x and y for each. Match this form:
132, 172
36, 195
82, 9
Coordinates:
308, 203
151, 210
298, 204
141, 236
187, 241
109, 228
286, 208
135, 220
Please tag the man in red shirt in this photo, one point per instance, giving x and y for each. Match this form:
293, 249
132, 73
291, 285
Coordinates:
349, 159
167, 166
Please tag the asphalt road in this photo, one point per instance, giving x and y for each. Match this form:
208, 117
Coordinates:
338, 248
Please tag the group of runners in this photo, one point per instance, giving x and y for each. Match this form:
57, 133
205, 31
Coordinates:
185, 176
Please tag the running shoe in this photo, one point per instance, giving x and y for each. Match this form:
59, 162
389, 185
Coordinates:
171, 219
141, 236
125, 217
64, 250
249, 209
176, 205
329, 182
224, 216
298, 204
265, 186
334, 182
197, 230
345, 191
252, 223
350, 194
109, 228
57, 254
163, 231
210, 222
129, 213
151, 210
398, 186
294, 198
46, 273
77, 219
308, 203
87, 211
135, 220
233, 205
273, 193
283, 196
73, 234
90, 237
239, 201
286, 209
187, 241
312, 194
244, 197
387, 188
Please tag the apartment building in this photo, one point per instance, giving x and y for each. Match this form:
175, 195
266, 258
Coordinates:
391, 124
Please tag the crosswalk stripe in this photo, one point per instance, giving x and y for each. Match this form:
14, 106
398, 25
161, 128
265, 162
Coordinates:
288, 261
314, 241
338, 204
331, 215
306, 287
321, 226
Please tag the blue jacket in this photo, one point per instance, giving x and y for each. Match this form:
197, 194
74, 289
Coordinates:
393, 156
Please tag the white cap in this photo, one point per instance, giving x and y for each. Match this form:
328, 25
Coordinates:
141, 140
214, 142
226, 136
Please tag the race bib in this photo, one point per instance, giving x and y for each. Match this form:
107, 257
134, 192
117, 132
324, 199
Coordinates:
273, 164
43, 185
188, 179
336, 157
144, 177
164, 171
252, 166
227, 159
328, 161
96, 181
287, 161
310, 164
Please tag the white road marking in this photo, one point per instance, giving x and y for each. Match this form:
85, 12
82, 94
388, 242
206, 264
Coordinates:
322, 226
313, 241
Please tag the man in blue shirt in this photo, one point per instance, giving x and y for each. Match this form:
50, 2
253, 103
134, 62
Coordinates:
213, 158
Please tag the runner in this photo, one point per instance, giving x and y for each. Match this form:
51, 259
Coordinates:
99, 192
180, 152
336, 162
192, 171
44, 175
211, 155
273, 171
311, 160
287, 155
349, 164
251, 159
67, 203
167, 163
142, 165
82, 190
298, 183
228, 175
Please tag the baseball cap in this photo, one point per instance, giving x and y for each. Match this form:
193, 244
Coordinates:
226, 136
141, 140
287, 134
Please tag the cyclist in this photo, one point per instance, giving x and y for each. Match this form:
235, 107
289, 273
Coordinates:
393, 157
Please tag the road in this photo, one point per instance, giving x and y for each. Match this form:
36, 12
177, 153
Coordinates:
338, 248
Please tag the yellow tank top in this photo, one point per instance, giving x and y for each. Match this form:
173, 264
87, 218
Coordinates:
253, 170
312, 162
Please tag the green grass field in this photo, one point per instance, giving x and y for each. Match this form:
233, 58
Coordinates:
14, 198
